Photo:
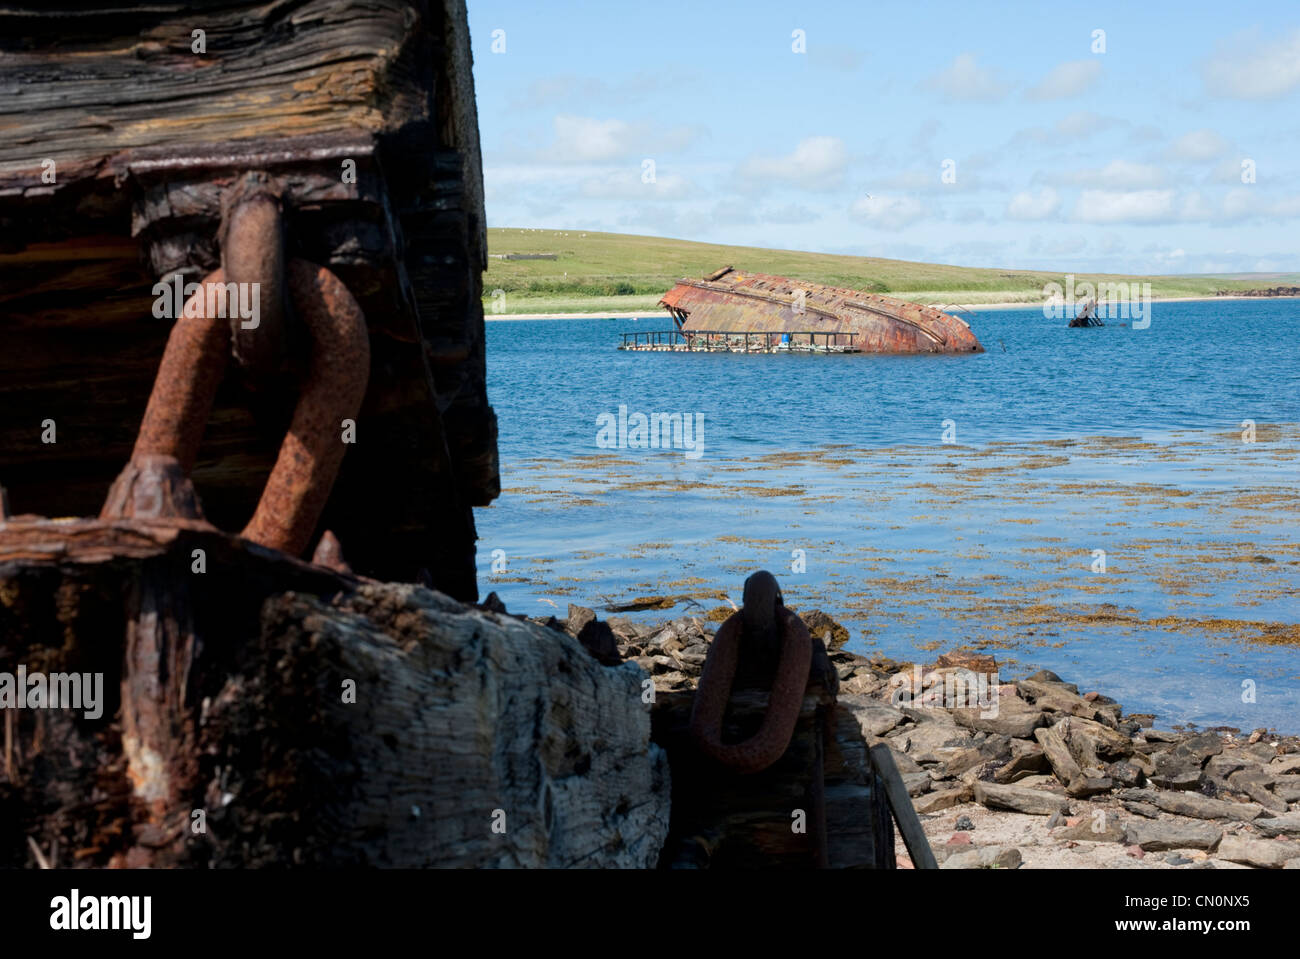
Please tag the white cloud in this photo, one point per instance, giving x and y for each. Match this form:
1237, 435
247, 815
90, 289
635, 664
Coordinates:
1117, 174
1252, 68
1082, 123
1199, 145
1072, 126
912, 180
1067, 244
1166, 206
585, 139
626, 183
789, 214
1227, 170
817, 163
1034, 205
1067, 80
1127, 206
965, 79
889, 212
588, 140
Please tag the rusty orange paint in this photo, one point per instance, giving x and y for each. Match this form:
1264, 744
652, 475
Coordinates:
761, 303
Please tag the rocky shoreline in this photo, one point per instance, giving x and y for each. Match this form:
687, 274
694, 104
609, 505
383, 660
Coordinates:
1033, 773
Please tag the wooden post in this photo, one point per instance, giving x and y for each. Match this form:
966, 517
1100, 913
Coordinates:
905, 815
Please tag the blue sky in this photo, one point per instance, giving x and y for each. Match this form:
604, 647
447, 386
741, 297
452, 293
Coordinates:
1128, 160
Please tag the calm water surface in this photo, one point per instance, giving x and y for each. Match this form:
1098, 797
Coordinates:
1066, 442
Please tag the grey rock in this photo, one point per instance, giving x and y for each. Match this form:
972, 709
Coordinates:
667, 639
1093, 743
1047, 676
1058, 755
1195, 805
1159, 836
1200, 748
1014, 718
1161, 736
1035, 802
1225, 764
1084, 786
905, 763
984, 857
998, 747
1259, 752
579, 616
916, 783
1053, 698
965, 759
926, 714
1261, 853
1142, 809
1287, 825
1254, 783
1170, 775
1287, 788
924, 742
874, 717
1095, 828
1126, 774
1028, 758
941, 799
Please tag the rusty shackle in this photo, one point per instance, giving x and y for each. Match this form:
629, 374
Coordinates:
156, 483
763, 607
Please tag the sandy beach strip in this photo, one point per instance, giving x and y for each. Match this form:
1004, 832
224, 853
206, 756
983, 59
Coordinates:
598, 315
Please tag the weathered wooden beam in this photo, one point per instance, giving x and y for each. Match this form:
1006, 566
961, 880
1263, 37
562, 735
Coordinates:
261, 711
918, 847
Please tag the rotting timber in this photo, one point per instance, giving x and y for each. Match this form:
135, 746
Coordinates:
757, 312
124, 144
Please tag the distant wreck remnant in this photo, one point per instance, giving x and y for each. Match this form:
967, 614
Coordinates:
1088, 315
755, 312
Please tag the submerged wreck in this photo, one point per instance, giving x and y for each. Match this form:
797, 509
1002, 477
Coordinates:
755, 312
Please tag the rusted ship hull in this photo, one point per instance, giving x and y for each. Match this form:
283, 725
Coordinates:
731, 301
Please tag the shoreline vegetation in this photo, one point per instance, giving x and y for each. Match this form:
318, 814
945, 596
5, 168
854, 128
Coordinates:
574, 274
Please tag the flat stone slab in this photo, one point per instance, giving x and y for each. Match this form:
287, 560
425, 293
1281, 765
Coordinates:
1261, 853
1158, 836
1195, 805
1035, 802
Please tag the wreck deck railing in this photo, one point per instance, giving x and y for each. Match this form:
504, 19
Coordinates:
732, 341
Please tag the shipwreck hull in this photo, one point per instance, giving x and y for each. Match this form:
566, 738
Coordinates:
735, 302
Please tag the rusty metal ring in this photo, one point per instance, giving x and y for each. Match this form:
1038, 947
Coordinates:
156, 482
784, 702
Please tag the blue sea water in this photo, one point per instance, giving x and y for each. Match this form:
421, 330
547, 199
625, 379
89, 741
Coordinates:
1200, 364
918, 544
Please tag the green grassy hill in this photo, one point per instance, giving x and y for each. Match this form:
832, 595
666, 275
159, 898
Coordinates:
615, 272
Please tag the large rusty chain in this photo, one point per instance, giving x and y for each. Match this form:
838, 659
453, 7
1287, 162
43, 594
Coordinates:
156, 483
